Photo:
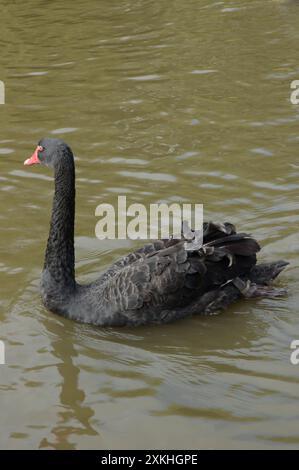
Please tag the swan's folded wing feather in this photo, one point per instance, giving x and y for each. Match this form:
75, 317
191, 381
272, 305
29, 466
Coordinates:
147, 250
171, 277
144, 287
211, 231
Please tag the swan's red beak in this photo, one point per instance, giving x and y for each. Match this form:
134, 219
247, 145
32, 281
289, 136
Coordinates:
33, 160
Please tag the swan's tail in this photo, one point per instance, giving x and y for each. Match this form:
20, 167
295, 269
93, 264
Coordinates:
260, 277
266, 272
248, 278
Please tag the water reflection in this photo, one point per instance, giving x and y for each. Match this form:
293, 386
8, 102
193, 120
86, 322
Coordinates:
74, 417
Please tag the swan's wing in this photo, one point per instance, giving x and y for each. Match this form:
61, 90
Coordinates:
211, 231
173, 277
139, 291
146, 250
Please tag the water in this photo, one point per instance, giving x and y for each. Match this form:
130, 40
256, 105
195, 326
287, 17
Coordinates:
160, 101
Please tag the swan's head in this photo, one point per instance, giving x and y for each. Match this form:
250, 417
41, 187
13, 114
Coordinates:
49, 152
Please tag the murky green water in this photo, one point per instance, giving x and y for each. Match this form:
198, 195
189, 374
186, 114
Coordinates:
173, 101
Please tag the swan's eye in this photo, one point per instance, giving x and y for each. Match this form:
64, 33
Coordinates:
40, 148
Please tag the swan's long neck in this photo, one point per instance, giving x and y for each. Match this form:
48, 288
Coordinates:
59, 267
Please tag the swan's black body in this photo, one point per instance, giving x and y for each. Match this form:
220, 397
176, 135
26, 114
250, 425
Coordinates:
158, 283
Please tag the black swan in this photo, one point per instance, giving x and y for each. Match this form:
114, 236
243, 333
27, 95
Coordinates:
161, 282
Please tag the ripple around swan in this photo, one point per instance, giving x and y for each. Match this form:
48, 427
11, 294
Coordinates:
6, 151
148, 176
